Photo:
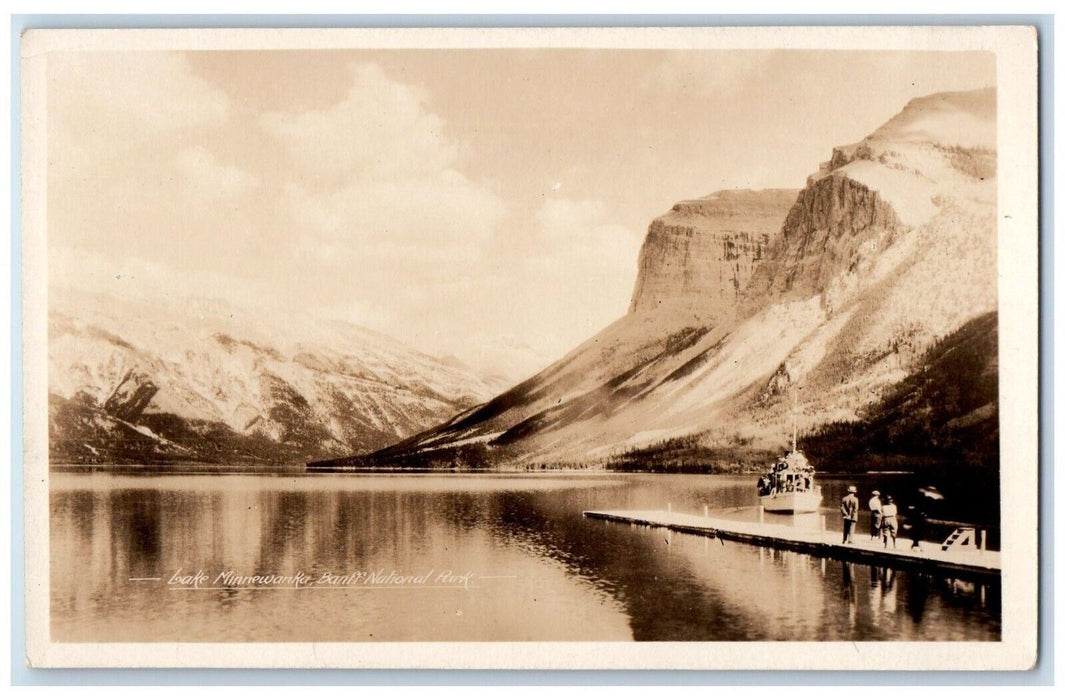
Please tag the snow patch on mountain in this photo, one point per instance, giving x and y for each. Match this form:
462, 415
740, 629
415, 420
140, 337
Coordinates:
889, 248
317, 387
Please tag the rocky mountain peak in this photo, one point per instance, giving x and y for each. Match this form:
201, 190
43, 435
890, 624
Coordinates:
917, 167
131, 396
698, 257
964, 119
127, 385
750, 306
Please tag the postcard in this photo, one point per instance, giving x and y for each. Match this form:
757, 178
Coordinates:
590, 348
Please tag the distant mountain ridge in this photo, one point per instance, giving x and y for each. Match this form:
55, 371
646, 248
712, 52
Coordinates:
826, 299
134, 382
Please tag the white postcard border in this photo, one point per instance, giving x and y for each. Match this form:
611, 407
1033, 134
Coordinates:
1018, 264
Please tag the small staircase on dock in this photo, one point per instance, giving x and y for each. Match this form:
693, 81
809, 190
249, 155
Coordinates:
961, 538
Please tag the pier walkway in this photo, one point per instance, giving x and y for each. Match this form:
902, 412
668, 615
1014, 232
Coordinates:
825, 543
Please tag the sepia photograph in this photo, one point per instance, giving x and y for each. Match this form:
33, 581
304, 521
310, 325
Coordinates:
504, 337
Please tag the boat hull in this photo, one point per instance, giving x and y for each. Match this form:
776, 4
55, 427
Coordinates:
793, 502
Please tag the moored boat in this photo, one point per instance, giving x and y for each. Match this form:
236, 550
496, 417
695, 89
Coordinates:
788, 486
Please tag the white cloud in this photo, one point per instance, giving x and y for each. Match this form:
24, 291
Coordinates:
105, 102
578, 239
430, 220
78, 269
435, 209
377, 181
582, 270
382, 128
209, 178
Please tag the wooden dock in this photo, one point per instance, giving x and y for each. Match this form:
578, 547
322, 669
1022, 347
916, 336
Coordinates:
969, 563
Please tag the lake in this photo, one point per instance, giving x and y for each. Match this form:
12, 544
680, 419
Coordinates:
499, 557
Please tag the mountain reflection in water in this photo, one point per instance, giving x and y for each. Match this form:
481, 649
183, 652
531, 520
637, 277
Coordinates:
540, 570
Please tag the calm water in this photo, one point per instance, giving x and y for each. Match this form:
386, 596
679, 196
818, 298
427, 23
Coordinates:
478, 558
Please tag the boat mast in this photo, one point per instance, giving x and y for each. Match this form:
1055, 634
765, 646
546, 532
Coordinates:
794, 423
794, 433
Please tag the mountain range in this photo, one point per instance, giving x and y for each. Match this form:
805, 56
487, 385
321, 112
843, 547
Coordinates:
147, 382
860, 310
832, 308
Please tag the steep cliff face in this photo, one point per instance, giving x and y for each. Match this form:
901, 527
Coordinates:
888, 249
690, 264
698, 257
829, 226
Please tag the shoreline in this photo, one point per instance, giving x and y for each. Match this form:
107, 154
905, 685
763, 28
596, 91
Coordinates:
199, 469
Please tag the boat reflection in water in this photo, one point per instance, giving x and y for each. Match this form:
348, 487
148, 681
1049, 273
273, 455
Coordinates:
540, 570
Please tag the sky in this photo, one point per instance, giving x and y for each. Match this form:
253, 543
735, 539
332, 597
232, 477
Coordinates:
482, 204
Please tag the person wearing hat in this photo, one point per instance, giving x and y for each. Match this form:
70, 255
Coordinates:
889, 526
849, 508
875, 516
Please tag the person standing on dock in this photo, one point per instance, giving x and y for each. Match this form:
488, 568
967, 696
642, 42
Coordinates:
849, 508
889, 525
916, 520
875, 516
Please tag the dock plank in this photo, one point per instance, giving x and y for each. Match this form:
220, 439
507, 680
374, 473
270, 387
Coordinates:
826, 543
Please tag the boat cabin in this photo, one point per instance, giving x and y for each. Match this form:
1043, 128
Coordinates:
791, 473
